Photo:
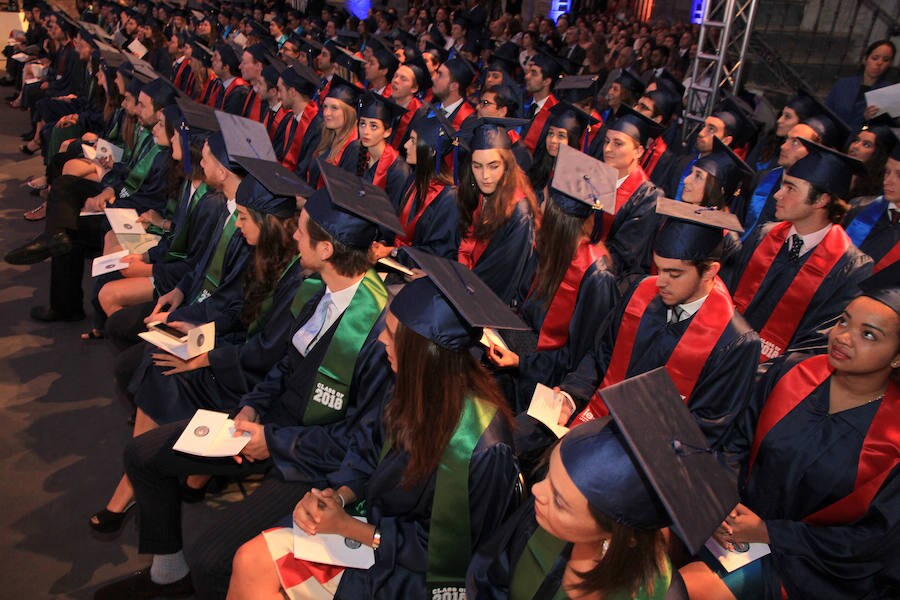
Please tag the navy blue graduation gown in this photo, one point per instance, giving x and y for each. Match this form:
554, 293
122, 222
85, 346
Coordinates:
630, 237
235, 365
807, 461
437, 230
722, 388
597, 297
199, 223
837, 289
846, 98
754, 212
403, 514
503, 263
309, 452
397, 178
225, 304
308, 145
882, 237
348, 162
152, 192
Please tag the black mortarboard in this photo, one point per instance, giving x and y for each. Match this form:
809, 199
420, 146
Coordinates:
726, 166
404, 37
692, 232
881, 126
376, 106
633, 123
303, 79
436, 130
161, 92
113, 59
805, 105
348, 60
259, 29
570, 117
270, 75
258, 52
386, 59
462, 19
826, 169
462, 72
420, 71
270, 188
488, 133
667, 80
351, 38
199, 117
311, 47
629, 81
738, 119
505, 58
452, 305
832, 130
884, 286
343, 90
350, 209
134, 86
245, 137
200, 51
656, 469
551, 67
582, 184
577, 88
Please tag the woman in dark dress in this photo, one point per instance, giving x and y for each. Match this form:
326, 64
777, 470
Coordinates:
436, 471
847, 97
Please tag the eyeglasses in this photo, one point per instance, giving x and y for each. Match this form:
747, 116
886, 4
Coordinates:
487, 103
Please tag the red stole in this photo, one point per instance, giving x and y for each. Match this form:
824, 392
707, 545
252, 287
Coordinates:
462, 113
623, 193
324, 93
892, 256
593, 130
293, 142
403, 123
178, 80
429, 96
783, 321
388, 156
211, 91
651, 157
386, 92
555, 328
471, 248
252, 108
273, 120
354, 134
690, 354
514, 136
435, 187
881, 446
537, 124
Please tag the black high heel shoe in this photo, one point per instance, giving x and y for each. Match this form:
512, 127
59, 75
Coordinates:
109, 522
26, 150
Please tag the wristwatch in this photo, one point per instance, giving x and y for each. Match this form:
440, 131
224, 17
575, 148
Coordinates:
376, 539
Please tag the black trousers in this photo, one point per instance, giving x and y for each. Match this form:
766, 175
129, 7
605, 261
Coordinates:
155, 471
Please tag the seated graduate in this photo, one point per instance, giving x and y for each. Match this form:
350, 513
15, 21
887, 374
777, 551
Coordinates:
231, 91
167, 388
301, 417
874, 224
580, 91
502, 101
566, 125
662, 106
819, 477
871, 145
411, 78
339, 144
300, 134
682, 319
437, 471
378, 162
499, 213
793, 278
138, 183
570, 288
427, 209
628, 230
595, 527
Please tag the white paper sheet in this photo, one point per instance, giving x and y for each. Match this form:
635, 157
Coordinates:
124, 220
735, 560
545, 406
887, 99
491, 336
390, 262
108, 263
332, 549
137, 48
211, 434
103, 148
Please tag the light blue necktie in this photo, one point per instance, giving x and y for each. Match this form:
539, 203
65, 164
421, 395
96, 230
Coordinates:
306, 336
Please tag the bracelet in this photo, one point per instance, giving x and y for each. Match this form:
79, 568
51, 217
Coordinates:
376, 539
341, 498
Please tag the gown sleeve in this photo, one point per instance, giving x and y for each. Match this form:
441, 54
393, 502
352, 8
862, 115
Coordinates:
503, 263
632, 232
437, 231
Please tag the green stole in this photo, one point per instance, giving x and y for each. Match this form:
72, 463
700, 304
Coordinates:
139, 165
266, 305
450, 532
179, 246
332, 385
214, 269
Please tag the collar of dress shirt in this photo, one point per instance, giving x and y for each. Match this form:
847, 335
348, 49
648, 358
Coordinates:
810, 240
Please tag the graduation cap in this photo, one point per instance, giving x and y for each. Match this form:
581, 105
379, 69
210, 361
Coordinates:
303, 79
259, 52
488, 133
832, 130
505, 58
629, 81
880, 126
350, 209
311, 47
245, 137
462, 71
826, 169
161, 92
349, 61
569, 117
737, 117
582, 184
435, 130
652, 467
667, 80
112, 60
420, 71
344, 91
376, 106
726, 166
551, 66
348, 37
577, 88
270, 188
805, 105
692, 232
404, 37
884, 286
452, 305
198, 116
633, 123
200, 51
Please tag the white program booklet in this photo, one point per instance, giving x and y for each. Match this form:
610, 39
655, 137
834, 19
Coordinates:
137, 48
887, 99
240, 39
108, 263
101, 149
138, 243
492, 337
124, 220
211, 434
393, 264
733, 559
545, 406
21, 57
199, 340
332, 549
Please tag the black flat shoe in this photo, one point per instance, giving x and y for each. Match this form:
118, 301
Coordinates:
24, 149
139, 586
44, 246
109, 521
48, 315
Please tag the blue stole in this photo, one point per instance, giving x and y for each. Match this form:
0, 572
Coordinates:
860, 228
758, 200
684, 175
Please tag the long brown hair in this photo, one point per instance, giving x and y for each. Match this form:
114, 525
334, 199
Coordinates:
333, 139
431, 386
499, 205
556, 243
274, 249
429, 167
